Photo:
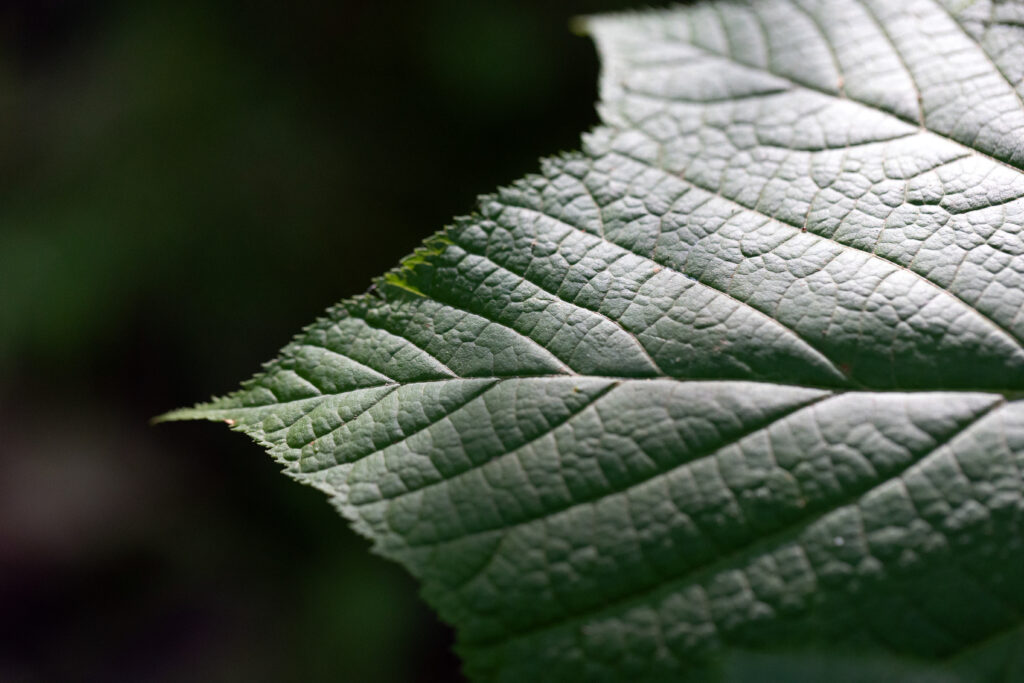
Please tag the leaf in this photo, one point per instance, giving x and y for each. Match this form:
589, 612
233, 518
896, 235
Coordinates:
744, 375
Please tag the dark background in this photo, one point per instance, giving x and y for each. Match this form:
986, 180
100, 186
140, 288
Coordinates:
183, 185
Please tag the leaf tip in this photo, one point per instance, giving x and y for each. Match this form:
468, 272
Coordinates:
201, 411
177, 415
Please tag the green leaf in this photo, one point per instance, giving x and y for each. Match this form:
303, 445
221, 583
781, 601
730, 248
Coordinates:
743, 376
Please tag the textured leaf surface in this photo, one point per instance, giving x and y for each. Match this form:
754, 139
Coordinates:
745, 374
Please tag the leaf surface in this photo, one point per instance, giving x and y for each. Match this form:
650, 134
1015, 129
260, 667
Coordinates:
744, 374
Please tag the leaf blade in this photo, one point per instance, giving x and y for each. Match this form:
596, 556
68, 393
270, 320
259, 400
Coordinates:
744, 374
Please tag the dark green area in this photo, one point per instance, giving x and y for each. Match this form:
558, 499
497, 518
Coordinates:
182, 186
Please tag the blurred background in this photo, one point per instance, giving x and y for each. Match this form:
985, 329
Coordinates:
183, 185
